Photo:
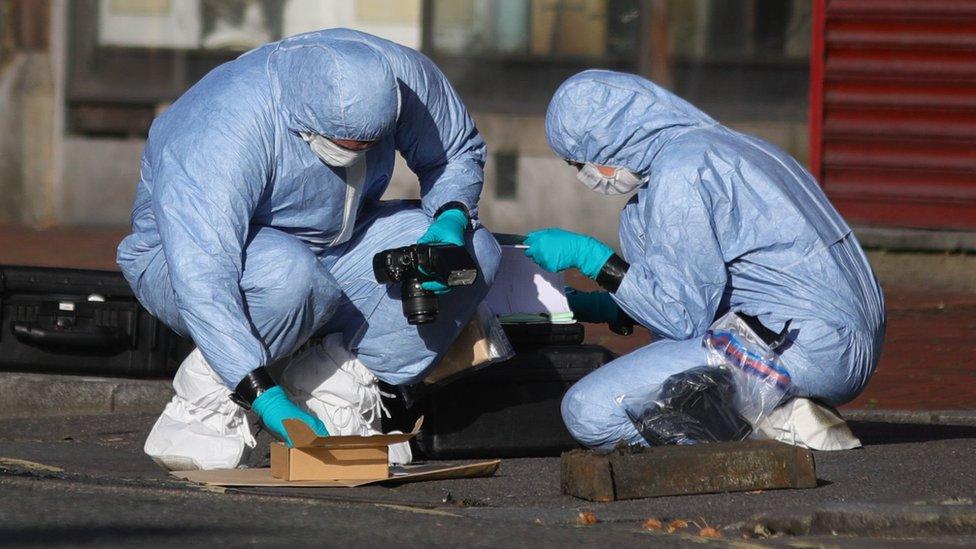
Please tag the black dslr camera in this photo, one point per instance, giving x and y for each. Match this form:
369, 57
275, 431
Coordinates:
412, 265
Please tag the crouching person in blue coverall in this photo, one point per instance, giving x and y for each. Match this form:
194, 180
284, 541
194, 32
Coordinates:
254, 227
720, 222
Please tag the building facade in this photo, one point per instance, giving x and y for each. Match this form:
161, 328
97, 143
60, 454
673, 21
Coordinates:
81, 81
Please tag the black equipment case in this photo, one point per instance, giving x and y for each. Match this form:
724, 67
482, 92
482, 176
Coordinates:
535, 335
73, 321
509, 409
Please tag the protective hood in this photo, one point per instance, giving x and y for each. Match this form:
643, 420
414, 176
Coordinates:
616, 119
340, 89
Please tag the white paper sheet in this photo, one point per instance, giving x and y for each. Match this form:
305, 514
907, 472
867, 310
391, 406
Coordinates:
522, 288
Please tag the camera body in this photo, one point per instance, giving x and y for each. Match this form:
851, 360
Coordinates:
410, 266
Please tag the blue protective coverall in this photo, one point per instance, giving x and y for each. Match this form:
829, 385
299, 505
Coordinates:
236, 218
724, 221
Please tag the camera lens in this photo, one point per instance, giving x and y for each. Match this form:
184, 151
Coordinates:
419, 305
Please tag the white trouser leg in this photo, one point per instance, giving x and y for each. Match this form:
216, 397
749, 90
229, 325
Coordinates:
335, 386
201, 428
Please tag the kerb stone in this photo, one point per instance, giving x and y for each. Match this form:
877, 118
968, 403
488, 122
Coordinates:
680, 470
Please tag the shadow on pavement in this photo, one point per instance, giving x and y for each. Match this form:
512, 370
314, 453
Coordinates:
74, 535
874, 433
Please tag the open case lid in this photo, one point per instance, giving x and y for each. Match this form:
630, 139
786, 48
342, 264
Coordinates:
302, 436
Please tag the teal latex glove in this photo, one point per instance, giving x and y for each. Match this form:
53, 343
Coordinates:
274, 407
595, 307
446, 230
435, 286
557, 249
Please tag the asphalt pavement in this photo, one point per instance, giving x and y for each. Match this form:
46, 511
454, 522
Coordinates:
84, 481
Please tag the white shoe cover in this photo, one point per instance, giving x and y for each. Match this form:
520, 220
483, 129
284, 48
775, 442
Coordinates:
339, 389
201, 428
805, 423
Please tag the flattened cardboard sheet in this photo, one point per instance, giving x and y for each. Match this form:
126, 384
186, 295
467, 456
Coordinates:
402, 474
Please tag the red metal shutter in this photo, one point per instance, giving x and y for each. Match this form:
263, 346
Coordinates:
893, 110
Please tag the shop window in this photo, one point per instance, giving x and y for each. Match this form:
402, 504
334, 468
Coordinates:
128, 59
510, 55
743, 59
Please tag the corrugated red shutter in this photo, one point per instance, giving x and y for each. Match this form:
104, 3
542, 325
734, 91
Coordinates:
893, 110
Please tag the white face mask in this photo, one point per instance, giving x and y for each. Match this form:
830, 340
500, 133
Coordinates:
331, 153
621, 182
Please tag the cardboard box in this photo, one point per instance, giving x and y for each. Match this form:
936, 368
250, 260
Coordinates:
340, 458
334, 462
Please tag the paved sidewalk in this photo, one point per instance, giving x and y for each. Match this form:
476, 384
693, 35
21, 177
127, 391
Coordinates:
77, 248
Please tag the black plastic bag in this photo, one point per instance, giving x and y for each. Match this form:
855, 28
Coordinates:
692, 407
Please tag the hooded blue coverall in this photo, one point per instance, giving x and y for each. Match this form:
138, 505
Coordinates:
723, 221
235, 217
